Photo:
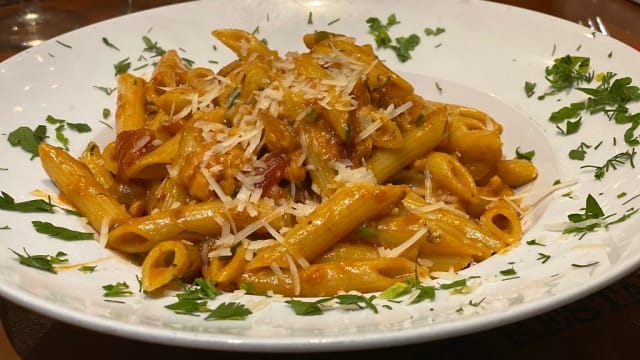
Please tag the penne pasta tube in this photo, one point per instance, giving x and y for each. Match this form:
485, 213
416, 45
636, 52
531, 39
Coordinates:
130, 111
448, 173
226, 274
417, 142
445, 262
153, 165
242, 43
503, 221
191, 222
92, 158
516, 172
81, 188
345, 251
456, 219
346, 209
168, 261
328, 279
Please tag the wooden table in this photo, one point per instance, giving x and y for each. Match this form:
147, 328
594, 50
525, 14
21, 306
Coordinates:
603, 325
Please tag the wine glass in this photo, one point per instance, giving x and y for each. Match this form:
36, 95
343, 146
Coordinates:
26, 23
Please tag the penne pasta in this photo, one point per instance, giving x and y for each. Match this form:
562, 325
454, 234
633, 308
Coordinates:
80, 188
168, 261
306, 174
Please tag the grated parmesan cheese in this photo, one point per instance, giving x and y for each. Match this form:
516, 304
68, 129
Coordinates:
104, 231
395, 252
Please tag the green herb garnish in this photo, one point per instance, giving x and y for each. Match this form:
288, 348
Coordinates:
37, 205
527, 155
28, 139
122, 66
109, 44
41, 262
61, 233
229, 311
88, 269
433, 32
612, 163
119, 289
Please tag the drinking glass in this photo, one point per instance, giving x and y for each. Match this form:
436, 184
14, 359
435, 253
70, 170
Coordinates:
27, 23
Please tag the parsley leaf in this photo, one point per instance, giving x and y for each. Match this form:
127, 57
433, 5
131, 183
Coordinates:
229, 311
152, 46
41, 262
87, 268
305, 308
543, 257
122, 66
612, 163
79, 127
433, 32
580, 152
455, 284
528, 155
37, 205
529, 88
404, 46
566, 72
28, 139
119, 289
189, 307
109, 44
61, 232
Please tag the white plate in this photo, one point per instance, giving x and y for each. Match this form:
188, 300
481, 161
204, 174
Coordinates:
483, 59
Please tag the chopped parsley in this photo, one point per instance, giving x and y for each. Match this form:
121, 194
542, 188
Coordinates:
593, 218
64, 44
579, 152
529, 88
106, 90
37, 205
310, 18
308, 308
477, 303
527, 155
612, 163
585, 265
433, 32
122, 66
87, 269
408, 287
543, 257
152, 46
508, 272
229, 311
572, 127
109, 43
41, 262
453, 285
566, 72
535, 242
119, 289
59, 232
28, 139
402, 46
232, 97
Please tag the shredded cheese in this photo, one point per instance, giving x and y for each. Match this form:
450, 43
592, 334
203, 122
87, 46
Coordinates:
395, 252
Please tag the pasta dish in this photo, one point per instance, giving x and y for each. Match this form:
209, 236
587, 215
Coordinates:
301, 174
